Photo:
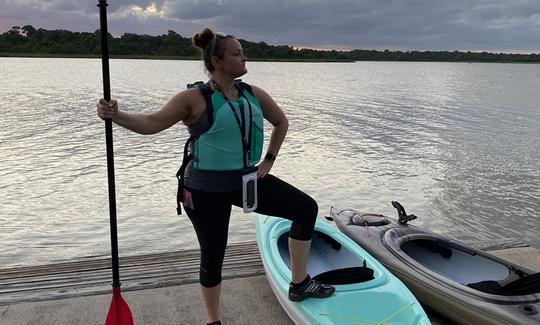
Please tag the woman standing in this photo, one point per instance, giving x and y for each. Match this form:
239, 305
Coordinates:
225, 120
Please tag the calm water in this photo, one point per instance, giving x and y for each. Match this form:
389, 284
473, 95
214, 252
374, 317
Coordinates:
457, 144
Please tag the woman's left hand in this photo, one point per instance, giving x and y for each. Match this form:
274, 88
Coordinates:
264, 168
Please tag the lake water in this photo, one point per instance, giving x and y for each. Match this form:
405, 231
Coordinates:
457, 144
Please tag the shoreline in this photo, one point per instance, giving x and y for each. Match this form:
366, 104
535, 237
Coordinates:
150, 57
196, 58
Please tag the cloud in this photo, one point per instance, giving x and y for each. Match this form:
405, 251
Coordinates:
393, 24
197, 9
342, 24
142, 13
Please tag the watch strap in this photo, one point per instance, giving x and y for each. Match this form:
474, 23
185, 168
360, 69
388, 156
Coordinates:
270, 157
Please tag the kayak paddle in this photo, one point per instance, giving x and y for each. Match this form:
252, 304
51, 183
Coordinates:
119, 312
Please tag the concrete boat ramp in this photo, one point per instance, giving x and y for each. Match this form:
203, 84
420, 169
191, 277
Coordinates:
163, 289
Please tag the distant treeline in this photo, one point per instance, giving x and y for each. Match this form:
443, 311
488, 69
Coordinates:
27, 40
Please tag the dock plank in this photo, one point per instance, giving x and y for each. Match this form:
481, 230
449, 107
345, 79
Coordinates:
93, 276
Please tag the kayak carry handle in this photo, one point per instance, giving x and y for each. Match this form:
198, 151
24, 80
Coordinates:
403, 218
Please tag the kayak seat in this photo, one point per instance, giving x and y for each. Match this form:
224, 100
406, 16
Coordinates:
529, 284
348, 275
526, 285
489, 286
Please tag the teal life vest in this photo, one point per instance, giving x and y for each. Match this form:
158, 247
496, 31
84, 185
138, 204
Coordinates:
235, 138
220, 145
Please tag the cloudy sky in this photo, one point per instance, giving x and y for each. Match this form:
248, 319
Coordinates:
476, 25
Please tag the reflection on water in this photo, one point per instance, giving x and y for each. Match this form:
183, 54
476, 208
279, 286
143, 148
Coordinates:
456, 144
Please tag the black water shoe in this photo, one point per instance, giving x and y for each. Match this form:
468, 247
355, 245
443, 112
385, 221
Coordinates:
309, 288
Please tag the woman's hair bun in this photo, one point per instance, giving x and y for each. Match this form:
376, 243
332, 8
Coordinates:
202, 38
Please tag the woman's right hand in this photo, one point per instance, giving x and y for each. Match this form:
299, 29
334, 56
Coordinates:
107, 110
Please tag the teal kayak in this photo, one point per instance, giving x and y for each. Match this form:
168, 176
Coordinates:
366, 292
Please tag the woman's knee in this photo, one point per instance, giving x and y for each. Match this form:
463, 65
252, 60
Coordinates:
212, 256
309, 210
304, 223
312, 208
210, 272
209, 280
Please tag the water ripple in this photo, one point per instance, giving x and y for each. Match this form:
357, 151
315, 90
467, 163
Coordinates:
455, 143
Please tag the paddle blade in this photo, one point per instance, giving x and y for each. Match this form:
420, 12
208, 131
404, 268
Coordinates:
119, 312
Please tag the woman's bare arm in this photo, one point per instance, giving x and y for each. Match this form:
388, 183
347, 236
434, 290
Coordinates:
176, 110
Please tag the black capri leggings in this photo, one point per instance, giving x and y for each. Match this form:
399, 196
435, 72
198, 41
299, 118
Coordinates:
211, 213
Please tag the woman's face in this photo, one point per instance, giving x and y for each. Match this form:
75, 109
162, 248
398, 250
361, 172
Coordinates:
234, 61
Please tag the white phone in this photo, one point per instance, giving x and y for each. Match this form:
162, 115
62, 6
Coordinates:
249, 192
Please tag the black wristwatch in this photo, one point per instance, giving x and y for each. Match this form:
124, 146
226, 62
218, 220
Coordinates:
270, 157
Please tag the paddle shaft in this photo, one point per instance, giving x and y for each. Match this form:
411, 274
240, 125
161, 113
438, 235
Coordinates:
102, 4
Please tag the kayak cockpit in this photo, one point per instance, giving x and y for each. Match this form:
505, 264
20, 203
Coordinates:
329, 262
470, 267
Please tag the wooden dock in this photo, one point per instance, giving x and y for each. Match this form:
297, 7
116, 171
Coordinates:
36, 294
91, 277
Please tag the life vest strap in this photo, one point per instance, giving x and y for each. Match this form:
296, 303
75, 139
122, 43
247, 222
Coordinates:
180, 175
